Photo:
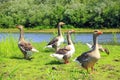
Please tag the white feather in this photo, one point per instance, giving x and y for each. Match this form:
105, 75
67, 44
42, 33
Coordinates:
71, 52
89, 45
34, 50
49, 46
58, 56
60, 40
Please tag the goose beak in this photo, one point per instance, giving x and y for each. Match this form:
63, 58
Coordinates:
100, 32
73, 30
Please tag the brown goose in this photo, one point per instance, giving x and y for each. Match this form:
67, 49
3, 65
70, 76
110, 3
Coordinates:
66, 52
89, 58
56, 42
100, 48
25, 47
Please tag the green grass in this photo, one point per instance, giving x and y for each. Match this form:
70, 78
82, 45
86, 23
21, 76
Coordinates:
14, 67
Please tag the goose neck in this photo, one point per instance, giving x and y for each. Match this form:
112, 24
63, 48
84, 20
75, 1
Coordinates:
59, 30
21, 35
95, 41
69, 39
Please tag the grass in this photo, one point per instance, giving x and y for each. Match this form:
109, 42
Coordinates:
55, 30
44, 67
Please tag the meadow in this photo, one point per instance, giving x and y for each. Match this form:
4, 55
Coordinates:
44, 67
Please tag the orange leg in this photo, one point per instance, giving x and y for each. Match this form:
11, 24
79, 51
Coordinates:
27, 57
66, 61
86, 69
92, 68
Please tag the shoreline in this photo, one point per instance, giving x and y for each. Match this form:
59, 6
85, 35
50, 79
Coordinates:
78, 30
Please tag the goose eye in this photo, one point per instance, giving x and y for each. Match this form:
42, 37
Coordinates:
95, 31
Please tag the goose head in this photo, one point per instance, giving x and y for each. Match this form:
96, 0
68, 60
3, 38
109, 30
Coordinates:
95, 35
69, 37
71, 31
61, 23
20, 27
97, 32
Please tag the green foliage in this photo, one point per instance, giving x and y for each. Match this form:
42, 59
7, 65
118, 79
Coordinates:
77, 13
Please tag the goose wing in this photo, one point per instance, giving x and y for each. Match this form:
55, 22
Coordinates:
63, 50
25, 46
84, 56
53, 41
103, 49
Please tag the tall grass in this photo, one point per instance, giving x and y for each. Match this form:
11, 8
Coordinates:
9, 47
115, 38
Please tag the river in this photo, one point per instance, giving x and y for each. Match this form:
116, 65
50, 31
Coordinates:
77, 37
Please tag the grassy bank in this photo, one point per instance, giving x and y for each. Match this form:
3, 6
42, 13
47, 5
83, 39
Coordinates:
14, 67
55, 30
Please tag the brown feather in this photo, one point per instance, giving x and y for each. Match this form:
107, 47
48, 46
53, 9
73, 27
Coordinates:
25, 45
63, 50
53, 41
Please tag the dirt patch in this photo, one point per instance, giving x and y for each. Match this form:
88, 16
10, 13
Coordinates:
54, 68
4, 66
116, 60
108, 67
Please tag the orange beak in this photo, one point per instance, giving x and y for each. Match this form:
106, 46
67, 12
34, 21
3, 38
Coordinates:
100, 32
72, 30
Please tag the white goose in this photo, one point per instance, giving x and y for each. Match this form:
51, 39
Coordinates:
89, 58
66, 52
25, 47
56, 42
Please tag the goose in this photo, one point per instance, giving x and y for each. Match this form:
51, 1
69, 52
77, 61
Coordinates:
25, 47
66, 52
100, 48
56, 42
88, 59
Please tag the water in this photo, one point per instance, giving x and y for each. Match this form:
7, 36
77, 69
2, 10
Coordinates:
77, 37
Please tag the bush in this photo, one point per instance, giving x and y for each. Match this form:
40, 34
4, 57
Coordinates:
77, 13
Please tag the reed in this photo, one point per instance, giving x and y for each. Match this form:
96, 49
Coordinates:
115, 37
8, 47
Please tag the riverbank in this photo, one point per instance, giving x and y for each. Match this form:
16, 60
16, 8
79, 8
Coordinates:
55, 30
